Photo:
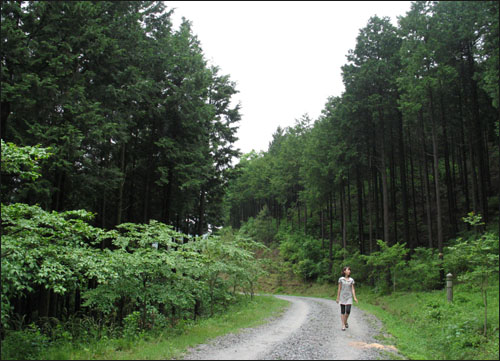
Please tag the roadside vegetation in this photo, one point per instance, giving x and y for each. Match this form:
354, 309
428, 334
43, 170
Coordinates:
417, 317
134, 299
87, 339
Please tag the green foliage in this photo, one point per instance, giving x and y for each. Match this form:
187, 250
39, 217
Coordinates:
149, 269
361, 169
421, 272
169, 342
388, 261
303, 253
136, 281
50, 249
176, 275
23, 161
475, 257
262, 228
24, 344
480, 254
424, 325
126, 103
132, 326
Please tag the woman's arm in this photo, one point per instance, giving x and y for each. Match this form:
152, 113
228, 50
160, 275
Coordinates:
354, 293
338, 292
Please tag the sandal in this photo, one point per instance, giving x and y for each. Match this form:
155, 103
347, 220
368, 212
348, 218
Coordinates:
346, 325
343, 328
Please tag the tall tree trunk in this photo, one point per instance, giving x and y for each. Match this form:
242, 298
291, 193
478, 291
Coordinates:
168, 195
5, 112
146, 204
478, 135
58, 196
488, 188
376, 194
392, 175
498, 137
472, 166
201, 213
449, 184
436, 184
44, 302
385, 199
383, 173
453, 174
404, 191
305, 218
322, 229
463, 168
343, 211
414, 196
298, 214
334, 203
330, 247
348, 195
426, 183
122, 185
359, 194
103, 218
371, 194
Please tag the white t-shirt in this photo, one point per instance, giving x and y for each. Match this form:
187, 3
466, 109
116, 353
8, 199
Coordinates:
346, 290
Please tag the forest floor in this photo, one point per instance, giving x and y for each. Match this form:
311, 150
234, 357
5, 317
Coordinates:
310, 329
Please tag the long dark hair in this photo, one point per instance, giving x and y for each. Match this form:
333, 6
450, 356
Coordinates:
343, 270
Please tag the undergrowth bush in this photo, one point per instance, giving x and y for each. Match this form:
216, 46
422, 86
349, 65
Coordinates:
26, 344
261, 228
421, 271
304, 253
426, 326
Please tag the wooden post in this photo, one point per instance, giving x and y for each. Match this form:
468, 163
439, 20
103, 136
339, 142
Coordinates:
449, 287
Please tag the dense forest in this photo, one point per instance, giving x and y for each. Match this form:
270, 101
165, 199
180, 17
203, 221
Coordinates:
408, 149
122, 202
117, 137
140, 125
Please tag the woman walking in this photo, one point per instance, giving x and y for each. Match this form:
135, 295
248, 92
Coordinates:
345, 294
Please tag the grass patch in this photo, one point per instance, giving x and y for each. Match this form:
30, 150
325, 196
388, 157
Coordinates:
426, 326
169, 343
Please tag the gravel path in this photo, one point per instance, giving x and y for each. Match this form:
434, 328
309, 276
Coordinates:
309, 329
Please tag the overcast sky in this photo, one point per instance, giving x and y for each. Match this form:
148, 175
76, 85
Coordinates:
284, 56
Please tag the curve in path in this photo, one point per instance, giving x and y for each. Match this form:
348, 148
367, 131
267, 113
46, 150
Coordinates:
308, 330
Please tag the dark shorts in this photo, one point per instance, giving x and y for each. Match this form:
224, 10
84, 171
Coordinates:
345, 309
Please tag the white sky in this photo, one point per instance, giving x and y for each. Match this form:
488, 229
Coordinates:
285, 56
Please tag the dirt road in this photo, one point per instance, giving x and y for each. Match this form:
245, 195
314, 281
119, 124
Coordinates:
310, 329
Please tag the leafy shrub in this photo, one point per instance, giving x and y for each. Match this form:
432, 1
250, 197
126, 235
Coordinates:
262, 228
304, 253
57, 251
132, 325
25, 344
386, 264
480, 252
51, 249
421, 272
